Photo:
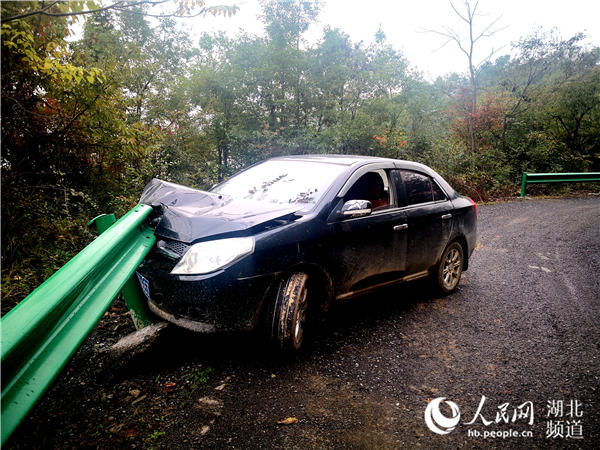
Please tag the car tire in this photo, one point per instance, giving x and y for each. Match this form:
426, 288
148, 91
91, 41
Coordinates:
449, 269
289, 313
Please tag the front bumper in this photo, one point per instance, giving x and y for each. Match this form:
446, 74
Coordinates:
218, 302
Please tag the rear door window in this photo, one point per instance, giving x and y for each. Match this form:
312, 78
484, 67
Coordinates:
417, 187
438, 194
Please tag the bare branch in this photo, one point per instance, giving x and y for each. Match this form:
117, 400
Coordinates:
140, 13
442, 46
50, 5
488, 57
214, 10
458, 13
451, 35
125, 6
439, 32
486, 31
472, 13
44, 11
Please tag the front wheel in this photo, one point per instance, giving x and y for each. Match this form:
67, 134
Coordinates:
288, 316
450, 268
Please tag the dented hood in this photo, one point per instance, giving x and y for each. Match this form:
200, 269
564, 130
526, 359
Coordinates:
188, 215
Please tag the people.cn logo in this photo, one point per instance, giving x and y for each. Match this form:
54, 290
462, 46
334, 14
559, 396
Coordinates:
436, 421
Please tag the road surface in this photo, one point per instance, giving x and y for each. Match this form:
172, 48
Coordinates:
515, 349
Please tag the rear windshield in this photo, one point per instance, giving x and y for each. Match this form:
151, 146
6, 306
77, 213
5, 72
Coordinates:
282, 182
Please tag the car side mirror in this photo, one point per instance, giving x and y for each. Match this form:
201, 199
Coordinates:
356, 208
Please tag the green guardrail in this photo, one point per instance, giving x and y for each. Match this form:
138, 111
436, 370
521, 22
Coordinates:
41, 333
577, 177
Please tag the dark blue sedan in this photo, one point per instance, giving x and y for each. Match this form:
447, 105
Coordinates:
278, 242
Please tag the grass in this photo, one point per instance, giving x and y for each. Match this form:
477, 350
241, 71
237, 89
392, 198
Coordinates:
156, 434
200, 377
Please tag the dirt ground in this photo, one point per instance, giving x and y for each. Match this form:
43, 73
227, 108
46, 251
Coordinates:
522, 329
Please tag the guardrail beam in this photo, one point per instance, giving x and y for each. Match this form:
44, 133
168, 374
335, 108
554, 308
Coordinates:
41, 333
138, 308
568, 177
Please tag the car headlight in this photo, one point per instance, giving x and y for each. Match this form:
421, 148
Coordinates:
209, 256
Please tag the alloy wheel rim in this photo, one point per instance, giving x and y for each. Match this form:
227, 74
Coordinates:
300, 316
452, 268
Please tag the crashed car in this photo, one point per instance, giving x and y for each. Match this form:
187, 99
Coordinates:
281, 240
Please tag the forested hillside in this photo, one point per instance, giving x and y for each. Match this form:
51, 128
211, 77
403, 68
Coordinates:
88, 120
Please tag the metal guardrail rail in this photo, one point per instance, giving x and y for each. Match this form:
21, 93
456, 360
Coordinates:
575, 177
40, 334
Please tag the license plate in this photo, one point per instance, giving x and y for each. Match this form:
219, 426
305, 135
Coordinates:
144, 285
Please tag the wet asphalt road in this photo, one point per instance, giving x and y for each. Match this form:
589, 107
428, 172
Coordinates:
523, 330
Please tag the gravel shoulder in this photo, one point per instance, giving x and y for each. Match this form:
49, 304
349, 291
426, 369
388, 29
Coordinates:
522, 327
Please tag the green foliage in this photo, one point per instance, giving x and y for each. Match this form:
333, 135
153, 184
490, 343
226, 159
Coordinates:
74, 143
199, 377
537, 112
156, 434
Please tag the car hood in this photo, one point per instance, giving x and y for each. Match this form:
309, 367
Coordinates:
188, 215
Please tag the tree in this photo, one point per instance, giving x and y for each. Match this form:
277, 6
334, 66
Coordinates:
285, 27
543, 85
467, 46
85, 124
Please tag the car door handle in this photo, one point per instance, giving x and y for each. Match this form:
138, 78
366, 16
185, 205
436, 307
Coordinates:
404, 226
447, 216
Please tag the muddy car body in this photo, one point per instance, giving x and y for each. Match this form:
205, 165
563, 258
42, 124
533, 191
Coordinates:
289, 235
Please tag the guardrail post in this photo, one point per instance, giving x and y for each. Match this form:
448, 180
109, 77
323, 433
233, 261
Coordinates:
523, 184
138, 309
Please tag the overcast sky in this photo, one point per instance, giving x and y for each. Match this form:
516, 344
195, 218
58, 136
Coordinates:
403, 22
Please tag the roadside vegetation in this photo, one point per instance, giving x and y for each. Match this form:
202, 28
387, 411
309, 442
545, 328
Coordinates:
86, 123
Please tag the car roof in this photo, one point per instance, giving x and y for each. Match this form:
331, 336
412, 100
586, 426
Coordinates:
343, 160
355, 161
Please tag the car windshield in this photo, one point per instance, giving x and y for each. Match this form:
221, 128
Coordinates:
282, 182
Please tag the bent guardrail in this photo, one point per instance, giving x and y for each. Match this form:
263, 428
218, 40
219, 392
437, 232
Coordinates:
575, 177
41, 333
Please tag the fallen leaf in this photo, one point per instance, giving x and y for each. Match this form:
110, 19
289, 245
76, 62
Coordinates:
220, 387
210, 405
135, 393
137, 400
130, 432
288, 421
169, 386
210, 401
116, 428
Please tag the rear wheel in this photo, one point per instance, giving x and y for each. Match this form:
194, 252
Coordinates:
450, 267
288, 317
